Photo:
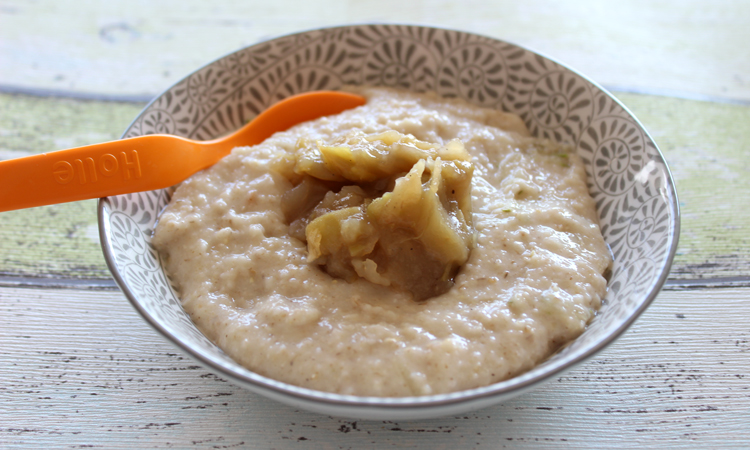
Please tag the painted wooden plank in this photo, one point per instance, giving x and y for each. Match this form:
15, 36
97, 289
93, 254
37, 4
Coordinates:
82, 369
705, 143
116, 47
59, 240
30, 124
707, 146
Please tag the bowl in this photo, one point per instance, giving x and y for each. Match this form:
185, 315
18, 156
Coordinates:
627, 177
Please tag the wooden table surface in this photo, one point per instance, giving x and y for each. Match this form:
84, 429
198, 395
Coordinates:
79, 368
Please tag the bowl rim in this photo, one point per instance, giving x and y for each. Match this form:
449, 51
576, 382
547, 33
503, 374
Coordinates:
506, 388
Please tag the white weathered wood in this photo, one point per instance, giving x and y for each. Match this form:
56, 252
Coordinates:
80, 368
120, 47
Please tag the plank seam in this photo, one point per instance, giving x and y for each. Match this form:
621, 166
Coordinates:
146, 98
95, 284
91, 96
103, 284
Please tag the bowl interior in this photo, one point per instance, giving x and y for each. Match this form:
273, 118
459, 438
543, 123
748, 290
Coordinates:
627, 175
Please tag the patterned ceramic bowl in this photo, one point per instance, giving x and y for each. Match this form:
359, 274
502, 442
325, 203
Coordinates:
627, 176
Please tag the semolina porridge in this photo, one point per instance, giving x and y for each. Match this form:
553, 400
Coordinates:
408, 247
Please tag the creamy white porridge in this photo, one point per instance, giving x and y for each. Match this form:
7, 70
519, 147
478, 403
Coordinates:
532, 281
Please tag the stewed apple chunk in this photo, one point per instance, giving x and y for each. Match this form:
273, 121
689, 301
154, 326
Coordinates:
398, 212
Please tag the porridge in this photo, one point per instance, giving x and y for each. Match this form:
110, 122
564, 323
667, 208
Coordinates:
306, 258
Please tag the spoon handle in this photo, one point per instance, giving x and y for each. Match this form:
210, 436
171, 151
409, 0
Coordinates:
111, 168
148, 162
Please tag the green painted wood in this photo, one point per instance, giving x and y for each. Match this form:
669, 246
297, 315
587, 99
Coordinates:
57, 240
706, 144
30, 124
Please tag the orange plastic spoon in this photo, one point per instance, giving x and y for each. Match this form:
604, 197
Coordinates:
148, 162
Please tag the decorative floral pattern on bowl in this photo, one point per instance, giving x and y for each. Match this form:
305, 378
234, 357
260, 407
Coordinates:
627, 176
